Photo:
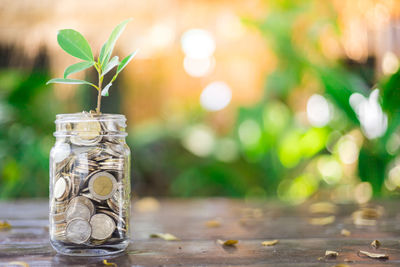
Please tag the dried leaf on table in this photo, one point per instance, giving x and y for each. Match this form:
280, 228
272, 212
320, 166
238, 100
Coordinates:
213, 223
105, 262
375, 244
322, 207
381, 256
270, 243
229, 242
166, 236
345, 232
331, 254
322, 220
19, 263
4, 225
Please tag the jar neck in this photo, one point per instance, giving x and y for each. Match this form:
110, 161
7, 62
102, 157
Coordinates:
90, 125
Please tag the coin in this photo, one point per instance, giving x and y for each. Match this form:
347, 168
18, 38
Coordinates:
102, 185
78, 231
87, 133
85, 201
59, 217
102, 226
77, 210
61, 189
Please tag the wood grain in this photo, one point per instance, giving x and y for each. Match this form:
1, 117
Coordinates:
300, 243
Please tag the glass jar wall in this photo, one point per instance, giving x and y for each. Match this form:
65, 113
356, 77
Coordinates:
90, 185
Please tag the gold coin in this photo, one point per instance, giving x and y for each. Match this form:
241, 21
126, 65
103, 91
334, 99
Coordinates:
102, 185
87, 133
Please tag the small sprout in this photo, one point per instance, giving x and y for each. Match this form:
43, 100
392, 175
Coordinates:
331, 254
345, 232
375, 244
166, 236
4, 225
270, 242
213, 223
322, 207
379, 256
322, 220
77, 46
230, 242
105, 262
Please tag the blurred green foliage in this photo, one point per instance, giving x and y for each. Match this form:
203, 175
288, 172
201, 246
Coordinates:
270, 151
26, 126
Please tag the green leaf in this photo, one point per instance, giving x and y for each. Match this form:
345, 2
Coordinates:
110, 65
125, 62
109, 46
75, 44
104, 92
103, 58
70, 81
77, 67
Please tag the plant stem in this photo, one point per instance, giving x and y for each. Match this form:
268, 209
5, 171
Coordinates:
99, 93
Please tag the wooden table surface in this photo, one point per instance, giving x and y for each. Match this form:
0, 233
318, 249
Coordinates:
300, 243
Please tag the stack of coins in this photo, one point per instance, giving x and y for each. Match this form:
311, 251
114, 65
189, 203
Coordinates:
89, 185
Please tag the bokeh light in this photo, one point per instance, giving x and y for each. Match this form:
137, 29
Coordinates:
198, 43
215, 96
369, 112
318, 112
198, 67
199, 140
390, 63
249, 133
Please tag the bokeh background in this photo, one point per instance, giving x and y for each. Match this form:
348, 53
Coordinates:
269, 99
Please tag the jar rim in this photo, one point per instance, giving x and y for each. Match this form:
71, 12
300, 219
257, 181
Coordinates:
86, 116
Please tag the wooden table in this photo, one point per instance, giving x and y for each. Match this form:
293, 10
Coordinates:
300, 243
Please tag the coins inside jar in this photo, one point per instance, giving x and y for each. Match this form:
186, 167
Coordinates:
88, 206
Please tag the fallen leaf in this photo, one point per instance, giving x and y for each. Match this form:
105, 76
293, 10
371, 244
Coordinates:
345, 232
4, 225
147, 204
166, 236
109, 263
375, 244
374, 255
331, 254
105, 262
322, 207
19, 263
229, 242
322, 220
213, 223
270, 243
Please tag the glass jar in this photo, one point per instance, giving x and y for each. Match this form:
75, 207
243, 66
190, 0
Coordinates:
90, 185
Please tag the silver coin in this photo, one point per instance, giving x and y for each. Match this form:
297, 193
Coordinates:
78, 231
85, 201
102, 226
77, 210
61, 188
